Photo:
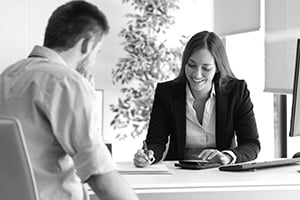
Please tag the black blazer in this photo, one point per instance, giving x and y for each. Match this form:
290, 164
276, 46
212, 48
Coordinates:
234, 116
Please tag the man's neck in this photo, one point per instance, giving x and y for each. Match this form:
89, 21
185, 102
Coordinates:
70, 57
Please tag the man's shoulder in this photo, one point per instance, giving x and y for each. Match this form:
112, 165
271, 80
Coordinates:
56, 70
56, 74
43, 73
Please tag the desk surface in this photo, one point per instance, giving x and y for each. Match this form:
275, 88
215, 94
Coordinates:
271, 183
182, 178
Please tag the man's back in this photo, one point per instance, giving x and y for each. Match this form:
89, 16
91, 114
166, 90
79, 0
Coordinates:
55, 107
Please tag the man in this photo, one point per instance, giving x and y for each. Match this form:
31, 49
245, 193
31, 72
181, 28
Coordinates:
56, 107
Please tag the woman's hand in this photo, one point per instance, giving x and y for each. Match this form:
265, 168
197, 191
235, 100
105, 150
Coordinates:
213, 155
141, 159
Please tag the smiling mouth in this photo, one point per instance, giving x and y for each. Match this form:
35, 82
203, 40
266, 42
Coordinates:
198, 80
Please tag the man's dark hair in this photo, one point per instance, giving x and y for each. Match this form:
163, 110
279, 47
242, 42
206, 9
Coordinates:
73, 21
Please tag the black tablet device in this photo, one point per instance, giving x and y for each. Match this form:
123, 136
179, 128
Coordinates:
196, 164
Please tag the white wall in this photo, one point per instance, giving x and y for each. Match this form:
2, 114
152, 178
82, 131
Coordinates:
14, 31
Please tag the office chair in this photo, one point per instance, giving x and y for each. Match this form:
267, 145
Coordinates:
17, 180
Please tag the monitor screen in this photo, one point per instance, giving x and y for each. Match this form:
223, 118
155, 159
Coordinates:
295, 115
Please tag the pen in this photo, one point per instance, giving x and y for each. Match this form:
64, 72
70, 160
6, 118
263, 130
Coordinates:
145, 148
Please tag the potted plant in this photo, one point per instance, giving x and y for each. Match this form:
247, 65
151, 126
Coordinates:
149, 60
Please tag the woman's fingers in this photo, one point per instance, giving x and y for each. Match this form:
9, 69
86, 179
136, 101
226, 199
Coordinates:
213, 155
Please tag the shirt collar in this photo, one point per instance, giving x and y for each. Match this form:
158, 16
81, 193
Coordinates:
190, 97
44, 52
213, 91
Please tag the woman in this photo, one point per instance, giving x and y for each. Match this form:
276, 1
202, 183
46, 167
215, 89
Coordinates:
203, 112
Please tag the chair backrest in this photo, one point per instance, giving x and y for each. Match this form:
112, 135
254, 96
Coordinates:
17, 180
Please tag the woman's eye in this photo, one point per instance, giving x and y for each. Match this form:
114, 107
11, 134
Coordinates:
192, 65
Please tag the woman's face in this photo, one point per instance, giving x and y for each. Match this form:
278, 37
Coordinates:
200, 70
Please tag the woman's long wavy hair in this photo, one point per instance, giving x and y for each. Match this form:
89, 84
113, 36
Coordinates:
212, 42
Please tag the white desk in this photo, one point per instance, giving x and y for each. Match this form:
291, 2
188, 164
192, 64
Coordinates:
267, 184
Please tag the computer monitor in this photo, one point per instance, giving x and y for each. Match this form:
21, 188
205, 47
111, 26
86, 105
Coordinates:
295, 115
100, 107
100, 102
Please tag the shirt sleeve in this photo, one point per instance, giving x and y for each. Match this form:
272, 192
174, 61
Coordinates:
75, 123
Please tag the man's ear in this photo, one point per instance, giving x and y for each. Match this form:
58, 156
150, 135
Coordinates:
87, 45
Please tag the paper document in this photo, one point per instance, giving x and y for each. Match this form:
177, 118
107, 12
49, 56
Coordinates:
126, 168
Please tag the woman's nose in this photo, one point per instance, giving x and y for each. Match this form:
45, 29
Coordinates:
198, 72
